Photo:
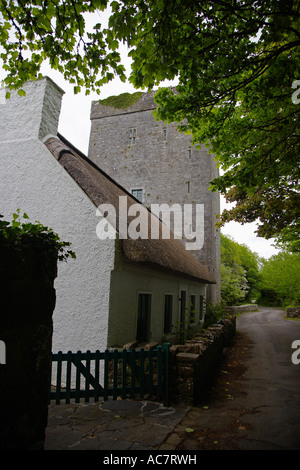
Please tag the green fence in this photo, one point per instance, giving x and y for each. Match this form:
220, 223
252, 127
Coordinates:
115, 374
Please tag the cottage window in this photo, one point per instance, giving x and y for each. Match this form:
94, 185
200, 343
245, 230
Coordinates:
168, 313
132, 136
182, 314
138, 194
192, 309
201, 310
144, 316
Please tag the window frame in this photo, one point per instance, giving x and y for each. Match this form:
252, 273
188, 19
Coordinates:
143, 324
132, 136
137, 190
192, 312
201, 307
168, 315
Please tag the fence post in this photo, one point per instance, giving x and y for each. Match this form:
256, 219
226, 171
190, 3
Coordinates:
106, 374
58, 377
150, 381
166, 374
124, 372
141, 378
68, 378
77, 391
87, 378
115, 374
97, 375
159, 371
133, 370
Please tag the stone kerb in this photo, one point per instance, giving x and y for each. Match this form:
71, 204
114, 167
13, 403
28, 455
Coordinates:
193, 365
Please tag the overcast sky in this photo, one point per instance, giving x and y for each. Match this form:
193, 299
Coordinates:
74, 125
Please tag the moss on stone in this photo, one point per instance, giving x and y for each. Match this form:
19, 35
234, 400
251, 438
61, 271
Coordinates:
122, 101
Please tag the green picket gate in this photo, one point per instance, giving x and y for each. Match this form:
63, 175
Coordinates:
110, 374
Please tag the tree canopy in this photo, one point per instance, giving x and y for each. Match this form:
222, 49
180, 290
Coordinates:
238, 70
280, 280
240, 274
58, 31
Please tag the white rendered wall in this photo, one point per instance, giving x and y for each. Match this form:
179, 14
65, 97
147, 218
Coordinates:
32, 116
31, 179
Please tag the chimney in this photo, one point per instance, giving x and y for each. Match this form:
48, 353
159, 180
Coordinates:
33, 116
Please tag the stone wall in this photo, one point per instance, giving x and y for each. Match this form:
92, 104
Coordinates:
194, 364
27, 298
293, 312
241, 309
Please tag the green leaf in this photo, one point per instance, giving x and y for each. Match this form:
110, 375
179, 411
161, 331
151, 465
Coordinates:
21, 92
189, 430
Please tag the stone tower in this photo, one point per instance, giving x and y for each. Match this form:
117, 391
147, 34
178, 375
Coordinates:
157, 164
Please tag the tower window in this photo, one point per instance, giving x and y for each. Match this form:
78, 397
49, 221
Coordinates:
132, 136
138, 194
165, 135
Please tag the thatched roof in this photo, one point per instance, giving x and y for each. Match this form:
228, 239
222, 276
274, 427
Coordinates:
168, 255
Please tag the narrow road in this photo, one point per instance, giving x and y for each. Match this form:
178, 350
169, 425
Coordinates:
255, 403
273, 381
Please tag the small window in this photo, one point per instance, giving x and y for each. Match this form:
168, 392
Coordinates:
192, 309
188, 186
168, 313
201, 310
132, 136
144, 317
138, 194
182, 314
165, 135
190, 153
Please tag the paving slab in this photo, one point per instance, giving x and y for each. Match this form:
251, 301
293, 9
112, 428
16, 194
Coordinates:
111, 425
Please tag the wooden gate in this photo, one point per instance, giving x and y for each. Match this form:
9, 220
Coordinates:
117, 373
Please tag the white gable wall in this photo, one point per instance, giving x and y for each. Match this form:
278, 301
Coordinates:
34, 181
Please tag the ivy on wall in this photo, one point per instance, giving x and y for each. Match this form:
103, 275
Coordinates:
122, 101
20, 233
